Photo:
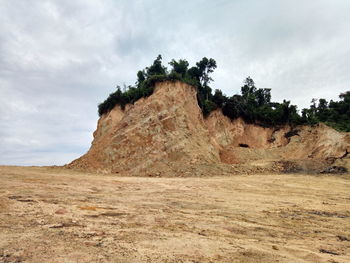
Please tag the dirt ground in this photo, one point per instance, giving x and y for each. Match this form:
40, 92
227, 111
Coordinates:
57, 215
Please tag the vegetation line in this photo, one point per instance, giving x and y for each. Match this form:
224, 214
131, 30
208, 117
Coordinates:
253, 104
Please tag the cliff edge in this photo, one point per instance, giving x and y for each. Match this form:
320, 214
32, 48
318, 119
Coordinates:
166, 133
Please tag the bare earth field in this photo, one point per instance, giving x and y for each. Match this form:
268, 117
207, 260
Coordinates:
57, 215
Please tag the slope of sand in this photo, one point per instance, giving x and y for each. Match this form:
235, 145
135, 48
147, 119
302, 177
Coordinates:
58, 215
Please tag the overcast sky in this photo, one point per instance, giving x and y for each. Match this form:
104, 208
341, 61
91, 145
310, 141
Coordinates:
60, 58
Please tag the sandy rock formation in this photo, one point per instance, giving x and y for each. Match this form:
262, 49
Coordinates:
167, 129
225, 132
308, 143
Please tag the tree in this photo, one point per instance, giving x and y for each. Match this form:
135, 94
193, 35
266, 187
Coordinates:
219, 99
180, 67
156, 68
322, 110
194, 73
345, 97
205, 67
208, 106
140, 77
263, 96
249, 88
233, 108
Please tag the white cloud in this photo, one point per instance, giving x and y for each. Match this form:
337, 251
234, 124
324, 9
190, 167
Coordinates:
59, 58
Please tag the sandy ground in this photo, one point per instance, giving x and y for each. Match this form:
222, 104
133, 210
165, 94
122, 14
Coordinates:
56, 215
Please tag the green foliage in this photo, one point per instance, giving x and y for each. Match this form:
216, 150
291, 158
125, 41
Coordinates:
208, 106
253, 104
205, 67
219, 99
335, 113
197, 76
156, 68
180, 67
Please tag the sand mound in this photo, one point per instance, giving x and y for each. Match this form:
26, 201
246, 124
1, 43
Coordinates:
167, 132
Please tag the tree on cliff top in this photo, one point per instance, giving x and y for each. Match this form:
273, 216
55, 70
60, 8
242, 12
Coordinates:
198, 76
253, 104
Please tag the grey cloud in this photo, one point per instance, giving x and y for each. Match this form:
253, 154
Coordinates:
60, 58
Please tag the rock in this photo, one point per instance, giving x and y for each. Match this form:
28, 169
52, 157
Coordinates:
61, 211
335, 170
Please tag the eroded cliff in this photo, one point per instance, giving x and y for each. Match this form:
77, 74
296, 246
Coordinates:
167, 132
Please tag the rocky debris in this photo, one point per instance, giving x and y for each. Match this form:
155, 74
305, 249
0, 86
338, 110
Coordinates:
327, 214
334, 170
6, 257
288, 167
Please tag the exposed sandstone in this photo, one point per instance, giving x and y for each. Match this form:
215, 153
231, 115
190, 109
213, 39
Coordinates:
167, 132
166, 127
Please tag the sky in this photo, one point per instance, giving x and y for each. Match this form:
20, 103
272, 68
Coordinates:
60, 58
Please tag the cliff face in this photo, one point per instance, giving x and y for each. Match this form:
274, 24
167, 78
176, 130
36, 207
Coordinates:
167, 129
311, 147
